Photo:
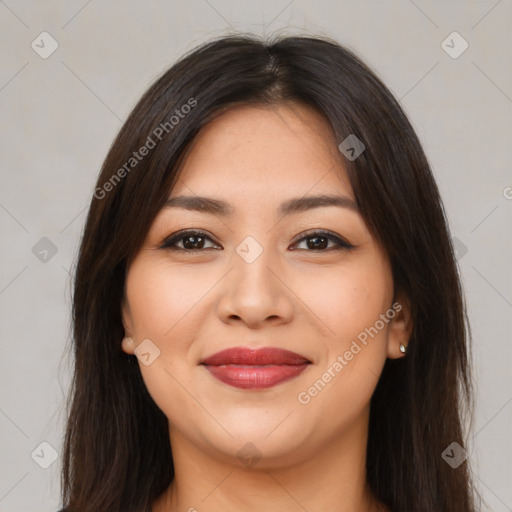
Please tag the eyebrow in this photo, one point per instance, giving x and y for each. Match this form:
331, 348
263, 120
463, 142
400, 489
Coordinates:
290, 206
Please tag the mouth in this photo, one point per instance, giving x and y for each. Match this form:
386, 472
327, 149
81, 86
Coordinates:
247, 368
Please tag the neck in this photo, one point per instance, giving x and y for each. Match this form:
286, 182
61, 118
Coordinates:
333, 479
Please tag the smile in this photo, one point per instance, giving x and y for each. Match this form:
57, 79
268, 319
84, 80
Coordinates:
247, 368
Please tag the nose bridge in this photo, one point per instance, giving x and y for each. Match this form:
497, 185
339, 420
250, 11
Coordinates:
252, 261
253, 293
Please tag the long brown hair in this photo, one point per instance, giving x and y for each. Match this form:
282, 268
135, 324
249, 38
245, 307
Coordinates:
117, 455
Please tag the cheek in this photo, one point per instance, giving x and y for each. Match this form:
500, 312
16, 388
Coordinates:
161, 296
346, 301
161, 303
349, 303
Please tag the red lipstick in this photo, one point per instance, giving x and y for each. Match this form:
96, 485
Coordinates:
248, 368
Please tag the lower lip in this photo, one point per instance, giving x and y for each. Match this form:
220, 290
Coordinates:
255, 377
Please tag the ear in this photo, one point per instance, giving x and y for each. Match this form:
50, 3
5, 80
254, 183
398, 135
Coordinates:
128, 344
400, 326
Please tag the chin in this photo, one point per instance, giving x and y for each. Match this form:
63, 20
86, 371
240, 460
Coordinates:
262, 443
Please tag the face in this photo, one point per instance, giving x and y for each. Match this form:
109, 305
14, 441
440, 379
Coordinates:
263, 266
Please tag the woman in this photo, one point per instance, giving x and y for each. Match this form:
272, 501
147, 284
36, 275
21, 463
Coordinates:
267, 312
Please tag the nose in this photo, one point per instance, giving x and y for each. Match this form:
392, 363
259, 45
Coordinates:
255, 293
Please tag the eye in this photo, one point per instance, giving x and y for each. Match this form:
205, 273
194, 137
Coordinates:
318, 241
191, 240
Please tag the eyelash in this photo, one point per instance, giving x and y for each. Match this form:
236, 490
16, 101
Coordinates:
169, 242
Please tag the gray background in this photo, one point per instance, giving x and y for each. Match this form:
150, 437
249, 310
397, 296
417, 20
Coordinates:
60, 114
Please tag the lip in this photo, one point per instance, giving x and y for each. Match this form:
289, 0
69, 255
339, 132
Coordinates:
248, 368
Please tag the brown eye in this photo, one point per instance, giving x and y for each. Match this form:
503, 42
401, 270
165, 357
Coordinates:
195, 241
319, 241
189, 240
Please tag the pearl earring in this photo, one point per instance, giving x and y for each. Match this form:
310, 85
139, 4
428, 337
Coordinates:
129, 340
403, 348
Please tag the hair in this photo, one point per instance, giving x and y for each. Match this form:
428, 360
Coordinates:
421, 402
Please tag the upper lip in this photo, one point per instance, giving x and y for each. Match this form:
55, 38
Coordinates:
253, 356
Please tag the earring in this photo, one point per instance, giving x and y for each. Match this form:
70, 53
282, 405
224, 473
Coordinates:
403, 348
129, 340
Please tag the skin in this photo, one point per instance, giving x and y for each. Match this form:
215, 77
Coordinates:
311, 301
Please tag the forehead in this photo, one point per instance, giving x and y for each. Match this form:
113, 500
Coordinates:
283, 149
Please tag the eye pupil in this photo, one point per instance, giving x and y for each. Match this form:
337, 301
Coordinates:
316, 244
195, 242
189, 244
